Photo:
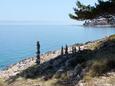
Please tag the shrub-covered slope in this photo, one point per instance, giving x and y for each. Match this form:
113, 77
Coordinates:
71, 69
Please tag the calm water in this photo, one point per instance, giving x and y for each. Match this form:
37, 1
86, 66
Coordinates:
19, 42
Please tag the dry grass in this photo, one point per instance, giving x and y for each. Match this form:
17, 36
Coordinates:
98, 67
112, 80
112, 37
102, 62
2, 83
33, 82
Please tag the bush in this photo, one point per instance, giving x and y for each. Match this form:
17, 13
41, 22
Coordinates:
98, 68
101, 66
112, 38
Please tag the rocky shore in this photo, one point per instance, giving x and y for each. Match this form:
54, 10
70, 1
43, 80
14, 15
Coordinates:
108, 20
26, 63
92, 64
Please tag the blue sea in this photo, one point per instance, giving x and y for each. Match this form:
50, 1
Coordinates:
18, 42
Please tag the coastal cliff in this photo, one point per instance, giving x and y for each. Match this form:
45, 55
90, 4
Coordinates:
92, 65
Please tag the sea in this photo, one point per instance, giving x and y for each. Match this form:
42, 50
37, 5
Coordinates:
18, 42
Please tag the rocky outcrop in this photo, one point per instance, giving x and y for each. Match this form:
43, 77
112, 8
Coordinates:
101, 21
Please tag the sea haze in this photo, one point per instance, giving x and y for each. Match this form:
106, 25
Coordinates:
18, 42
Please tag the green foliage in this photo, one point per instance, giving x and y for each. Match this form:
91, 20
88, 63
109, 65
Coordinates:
62, 51
38, 53
102, 8
66, 49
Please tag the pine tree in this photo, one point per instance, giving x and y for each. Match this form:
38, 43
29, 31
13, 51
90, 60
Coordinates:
38, 53
87, 12
66, 50
62, 53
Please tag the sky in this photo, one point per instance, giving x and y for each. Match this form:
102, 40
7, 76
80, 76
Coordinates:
50, 11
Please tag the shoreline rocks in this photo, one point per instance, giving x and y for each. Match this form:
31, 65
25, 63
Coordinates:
26, 63
101, 21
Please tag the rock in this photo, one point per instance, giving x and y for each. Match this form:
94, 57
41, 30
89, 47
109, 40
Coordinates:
81, 84
58, 73
107, 20
70, 73
77, 70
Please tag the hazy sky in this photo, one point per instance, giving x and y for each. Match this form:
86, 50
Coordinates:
38, 10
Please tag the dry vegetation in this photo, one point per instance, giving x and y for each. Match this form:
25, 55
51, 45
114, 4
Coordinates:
97, 62
2, 83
